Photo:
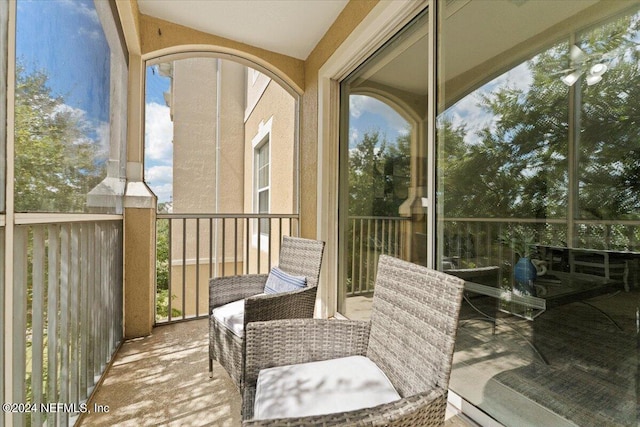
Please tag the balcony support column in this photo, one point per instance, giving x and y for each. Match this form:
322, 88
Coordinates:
139, 257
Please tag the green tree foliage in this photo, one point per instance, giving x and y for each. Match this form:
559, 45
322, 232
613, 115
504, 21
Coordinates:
162, 254
517, 164
518, 168
609, 148
162, 272
56, 161
379, 175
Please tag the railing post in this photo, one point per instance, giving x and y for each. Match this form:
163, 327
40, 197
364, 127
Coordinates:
170, 272
247, 245
184, 267
197, 302
37, 323
52, 318
235, 246
65, 272
224, 247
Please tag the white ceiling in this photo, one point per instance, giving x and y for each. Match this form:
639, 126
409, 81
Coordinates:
289, 27
468, 44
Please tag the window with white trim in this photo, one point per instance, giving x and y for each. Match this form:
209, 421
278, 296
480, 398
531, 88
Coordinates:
263, 182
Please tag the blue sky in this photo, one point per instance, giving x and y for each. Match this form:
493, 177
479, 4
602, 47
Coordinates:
158, 159
64, 38
156, 85
367, 114
470, 113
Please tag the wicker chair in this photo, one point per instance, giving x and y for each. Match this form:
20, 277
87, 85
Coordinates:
410, 338
300, 257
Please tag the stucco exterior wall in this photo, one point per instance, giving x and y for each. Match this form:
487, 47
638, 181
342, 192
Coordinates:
187, 306
201, 132
206, 124
193, 106
231, 164
256, 85
276, 105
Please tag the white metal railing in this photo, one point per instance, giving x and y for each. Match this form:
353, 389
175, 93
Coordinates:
370, 237
201, 246
191, 248
473, 241
67, 313
470, 242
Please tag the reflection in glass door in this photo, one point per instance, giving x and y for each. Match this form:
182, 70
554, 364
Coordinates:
538, 163
383, 165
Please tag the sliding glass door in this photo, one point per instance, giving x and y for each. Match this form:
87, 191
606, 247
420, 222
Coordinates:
383, 164
538, 176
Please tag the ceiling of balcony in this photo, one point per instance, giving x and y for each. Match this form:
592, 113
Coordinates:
289, 27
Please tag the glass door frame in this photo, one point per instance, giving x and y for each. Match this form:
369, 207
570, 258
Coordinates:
381, 24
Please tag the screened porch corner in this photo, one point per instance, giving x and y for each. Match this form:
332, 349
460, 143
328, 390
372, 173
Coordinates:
163, 379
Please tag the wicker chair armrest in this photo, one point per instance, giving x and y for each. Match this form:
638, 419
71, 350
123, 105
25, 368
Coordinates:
424, 409
287, 342
223, 290
297, 304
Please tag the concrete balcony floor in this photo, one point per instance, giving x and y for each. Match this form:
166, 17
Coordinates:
164, 380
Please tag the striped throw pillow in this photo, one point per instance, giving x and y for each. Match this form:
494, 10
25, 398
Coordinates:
279, 281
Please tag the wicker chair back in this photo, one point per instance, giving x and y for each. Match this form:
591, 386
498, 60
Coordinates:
301, 257
413, 325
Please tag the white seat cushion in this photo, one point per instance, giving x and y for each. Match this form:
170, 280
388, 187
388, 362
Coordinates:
326, 387
231, 315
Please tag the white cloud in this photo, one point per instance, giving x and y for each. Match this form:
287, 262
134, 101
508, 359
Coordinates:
159, 174
519, 78
469, 113
98, 132
158, 133
160, 180
358, 104
76, 113
90, 34
104, 136
159, 150
354, 136
163, 192
82, 9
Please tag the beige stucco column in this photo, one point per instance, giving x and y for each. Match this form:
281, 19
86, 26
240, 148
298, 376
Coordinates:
139, 218
139, 262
